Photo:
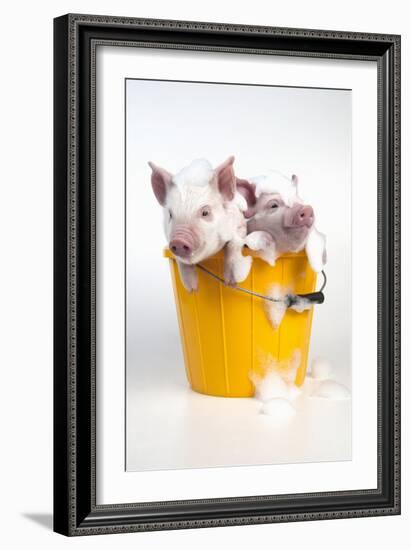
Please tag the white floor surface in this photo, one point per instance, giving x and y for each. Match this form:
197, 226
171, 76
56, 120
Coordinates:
169, 426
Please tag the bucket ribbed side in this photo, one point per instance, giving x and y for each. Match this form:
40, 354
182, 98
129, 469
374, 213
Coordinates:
236, 314
211, 331
189, 333
226, 334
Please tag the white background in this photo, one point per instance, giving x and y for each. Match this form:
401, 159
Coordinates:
295, 130
26, 224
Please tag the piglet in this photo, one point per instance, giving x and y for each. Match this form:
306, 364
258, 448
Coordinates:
203, 214
279, 221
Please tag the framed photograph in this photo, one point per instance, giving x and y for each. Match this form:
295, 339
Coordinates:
227, 274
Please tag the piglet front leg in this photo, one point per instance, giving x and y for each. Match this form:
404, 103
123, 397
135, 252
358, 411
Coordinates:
188, 276
316, 251
263, 243
236, 266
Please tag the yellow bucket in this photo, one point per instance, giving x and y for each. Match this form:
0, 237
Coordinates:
225, 333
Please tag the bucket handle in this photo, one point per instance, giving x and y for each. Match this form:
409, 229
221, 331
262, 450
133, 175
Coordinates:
290, 299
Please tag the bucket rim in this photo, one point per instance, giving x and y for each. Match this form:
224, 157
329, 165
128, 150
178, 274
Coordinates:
247, 252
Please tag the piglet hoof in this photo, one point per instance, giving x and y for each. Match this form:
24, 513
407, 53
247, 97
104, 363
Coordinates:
191, 283
190, 288
269, 256
229, 279
189, 277
241, 268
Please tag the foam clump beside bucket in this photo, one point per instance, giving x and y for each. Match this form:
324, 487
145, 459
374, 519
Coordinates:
280, 409
276, 389
224, 333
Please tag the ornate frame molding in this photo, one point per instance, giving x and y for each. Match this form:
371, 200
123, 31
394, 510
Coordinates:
76, 40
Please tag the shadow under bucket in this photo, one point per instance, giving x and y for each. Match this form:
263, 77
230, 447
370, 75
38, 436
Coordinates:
226, 334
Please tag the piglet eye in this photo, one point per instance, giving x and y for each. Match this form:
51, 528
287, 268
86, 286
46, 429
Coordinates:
170, 215
205, 211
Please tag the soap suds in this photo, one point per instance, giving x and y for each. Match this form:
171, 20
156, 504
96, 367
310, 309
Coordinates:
321, 369
199, 172
321, 384
276, 310
301, 304
280, 409
330, 389
276, 182
276, 388
270, 386
277, 391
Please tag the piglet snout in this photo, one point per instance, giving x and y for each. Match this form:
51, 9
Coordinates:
181, 248
183, 242
300, 216
305, 216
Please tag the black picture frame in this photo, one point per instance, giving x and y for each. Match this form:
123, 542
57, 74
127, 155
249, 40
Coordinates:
75, 40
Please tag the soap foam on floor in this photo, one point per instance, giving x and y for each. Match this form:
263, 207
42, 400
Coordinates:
270, 386
276, 389
280, 409
321, 383
330, 389
321, 369
277, 378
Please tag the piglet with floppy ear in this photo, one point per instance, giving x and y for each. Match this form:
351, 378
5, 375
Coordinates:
260, 241
278, 221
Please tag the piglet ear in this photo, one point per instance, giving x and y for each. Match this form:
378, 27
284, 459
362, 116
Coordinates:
160, 182
247, 190
226, 179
